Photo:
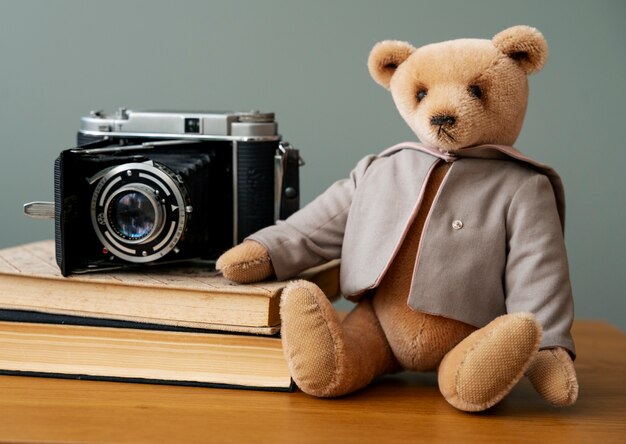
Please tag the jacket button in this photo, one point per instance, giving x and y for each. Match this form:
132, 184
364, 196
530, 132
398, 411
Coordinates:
457, 224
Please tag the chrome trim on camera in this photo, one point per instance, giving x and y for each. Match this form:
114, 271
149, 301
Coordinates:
280, 161
279, 170
167, 237
242, 126
39, 210
113, 241
180, 136
106, 190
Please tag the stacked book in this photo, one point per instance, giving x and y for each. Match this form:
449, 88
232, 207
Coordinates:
177, 325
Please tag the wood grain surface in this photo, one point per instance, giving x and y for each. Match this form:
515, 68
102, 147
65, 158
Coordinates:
400, 408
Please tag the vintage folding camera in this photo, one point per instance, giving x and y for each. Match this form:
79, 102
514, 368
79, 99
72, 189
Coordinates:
146, 187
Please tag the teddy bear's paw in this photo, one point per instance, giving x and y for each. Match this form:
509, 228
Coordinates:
245, 263
484, 367
553, 375
312, 335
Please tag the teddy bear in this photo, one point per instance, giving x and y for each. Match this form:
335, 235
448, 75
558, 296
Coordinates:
452, 248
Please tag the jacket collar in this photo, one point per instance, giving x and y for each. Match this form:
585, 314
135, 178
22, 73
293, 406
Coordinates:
501, 152
478, 152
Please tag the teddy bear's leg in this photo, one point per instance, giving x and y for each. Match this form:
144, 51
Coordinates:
419, 341
327, 357
485, 366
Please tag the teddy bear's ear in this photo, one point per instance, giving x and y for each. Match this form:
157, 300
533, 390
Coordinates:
525, 45
385, 58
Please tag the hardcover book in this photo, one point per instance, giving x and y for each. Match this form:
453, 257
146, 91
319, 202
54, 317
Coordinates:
186, 295
145, 356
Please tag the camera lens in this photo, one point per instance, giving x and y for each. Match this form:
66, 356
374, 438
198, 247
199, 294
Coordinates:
138, 211
133, 215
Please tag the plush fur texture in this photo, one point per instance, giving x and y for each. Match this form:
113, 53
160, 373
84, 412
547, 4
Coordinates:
553, 376
453, 95
245, 263
487, 364
481, 84
328, 357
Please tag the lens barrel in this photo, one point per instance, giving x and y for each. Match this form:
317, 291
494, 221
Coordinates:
139, 211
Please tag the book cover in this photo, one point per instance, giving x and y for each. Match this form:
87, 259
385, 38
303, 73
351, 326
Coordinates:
144, 355
185, 295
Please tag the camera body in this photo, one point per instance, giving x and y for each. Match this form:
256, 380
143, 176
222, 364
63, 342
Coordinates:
150, 187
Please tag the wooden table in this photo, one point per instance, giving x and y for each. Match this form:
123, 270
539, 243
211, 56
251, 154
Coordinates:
402, 408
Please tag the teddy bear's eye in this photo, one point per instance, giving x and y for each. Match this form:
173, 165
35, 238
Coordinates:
421, 94
476, 91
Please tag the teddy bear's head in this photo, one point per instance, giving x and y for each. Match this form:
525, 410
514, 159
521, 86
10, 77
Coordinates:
462, 93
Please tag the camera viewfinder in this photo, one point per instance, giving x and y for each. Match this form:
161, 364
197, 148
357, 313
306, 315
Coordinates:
192, 125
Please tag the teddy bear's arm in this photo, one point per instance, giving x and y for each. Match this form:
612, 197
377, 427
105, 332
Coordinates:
246, 263
314, 234
537, 274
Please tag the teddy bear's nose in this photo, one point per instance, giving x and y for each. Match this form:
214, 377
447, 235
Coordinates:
440, 120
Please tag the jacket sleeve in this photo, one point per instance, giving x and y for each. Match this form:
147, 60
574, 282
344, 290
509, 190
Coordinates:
536, 277
314, 234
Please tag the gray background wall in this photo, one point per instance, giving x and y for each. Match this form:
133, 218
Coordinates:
306, 61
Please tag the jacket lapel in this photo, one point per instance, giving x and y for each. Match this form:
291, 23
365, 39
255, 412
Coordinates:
493, 152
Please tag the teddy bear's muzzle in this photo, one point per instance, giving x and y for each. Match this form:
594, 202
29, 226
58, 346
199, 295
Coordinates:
442, 120
444, 129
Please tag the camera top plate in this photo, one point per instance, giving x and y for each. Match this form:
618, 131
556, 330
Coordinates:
236, 126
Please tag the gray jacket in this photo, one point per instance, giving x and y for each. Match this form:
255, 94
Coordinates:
492, 243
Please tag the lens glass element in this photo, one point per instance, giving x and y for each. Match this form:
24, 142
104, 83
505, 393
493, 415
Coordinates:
132, 215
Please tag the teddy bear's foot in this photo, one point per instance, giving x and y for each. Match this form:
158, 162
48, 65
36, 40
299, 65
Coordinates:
553, 376
327, 358
484, 367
